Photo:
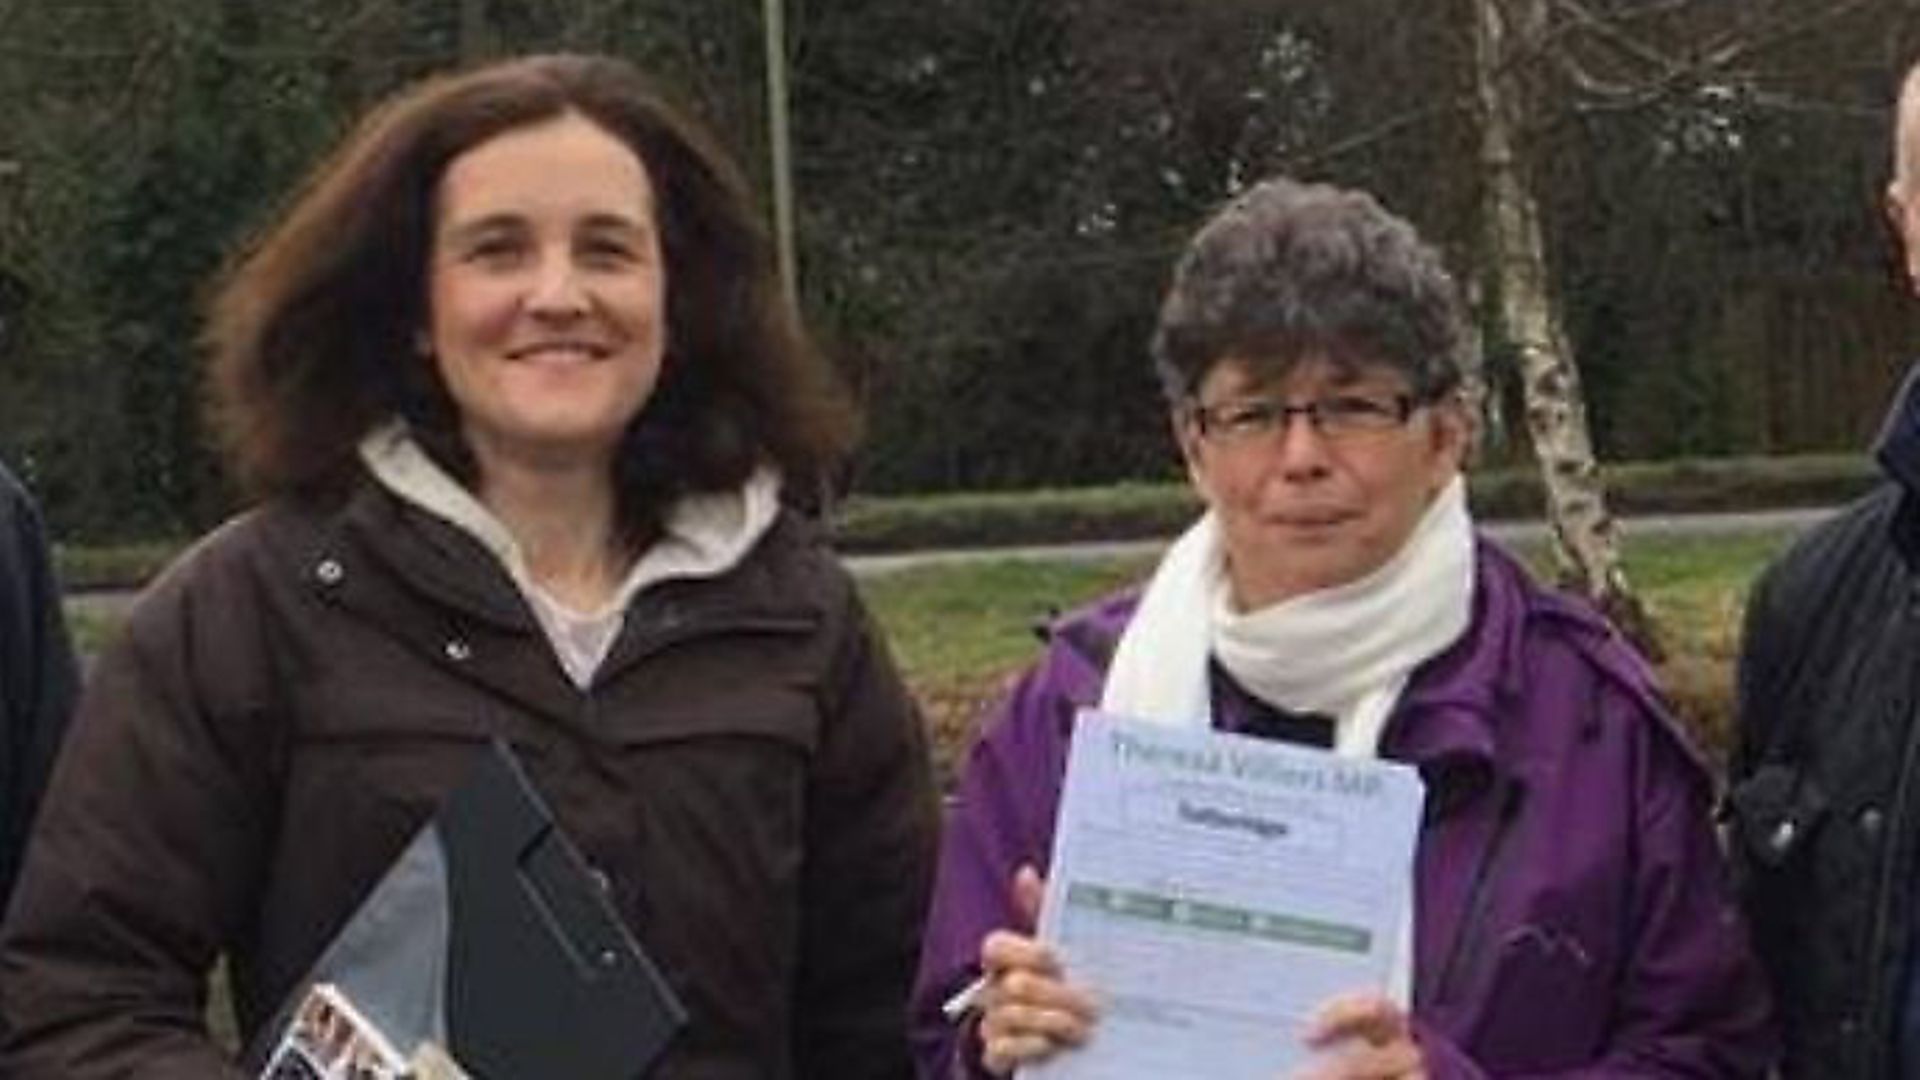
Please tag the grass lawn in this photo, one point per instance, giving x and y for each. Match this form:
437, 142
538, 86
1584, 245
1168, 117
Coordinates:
961, 630
89, 630
1698, 586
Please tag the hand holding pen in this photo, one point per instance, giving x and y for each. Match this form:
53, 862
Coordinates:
1028, 1010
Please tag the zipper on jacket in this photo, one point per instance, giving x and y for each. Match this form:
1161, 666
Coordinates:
1466, 940
1895, 865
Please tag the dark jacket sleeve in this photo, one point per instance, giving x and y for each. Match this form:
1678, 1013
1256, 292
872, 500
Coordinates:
37, 673
872, 823
149, 844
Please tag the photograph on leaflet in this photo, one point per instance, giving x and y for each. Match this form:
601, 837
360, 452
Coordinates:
329, 1039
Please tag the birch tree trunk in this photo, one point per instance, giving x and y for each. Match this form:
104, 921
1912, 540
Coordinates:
1586, 544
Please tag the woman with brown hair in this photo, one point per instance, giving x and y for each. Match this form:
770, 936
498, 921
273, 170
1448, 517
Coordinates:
521, 397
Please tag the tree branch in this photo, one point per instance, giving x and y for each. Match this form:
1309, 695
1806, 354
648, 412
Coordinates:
1671, 73
1380, 132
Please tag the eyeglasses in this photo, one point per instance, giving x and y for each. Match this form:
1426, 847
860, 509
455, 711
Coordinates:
1338, 417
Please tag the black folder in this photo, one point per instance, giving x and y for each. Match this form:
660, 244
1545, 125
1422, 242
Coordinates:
534, 975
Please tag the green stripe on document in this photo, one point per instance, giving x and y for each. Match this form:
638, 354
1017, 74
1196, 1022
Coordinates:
1220, 918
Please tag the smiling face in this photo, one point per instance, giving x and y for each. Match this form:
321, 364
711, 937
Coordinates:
547, 293
1300, 511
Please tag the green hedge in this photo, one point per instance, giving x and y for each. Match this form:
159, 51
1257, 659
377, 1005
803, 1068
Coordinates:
112, 566
1141, 510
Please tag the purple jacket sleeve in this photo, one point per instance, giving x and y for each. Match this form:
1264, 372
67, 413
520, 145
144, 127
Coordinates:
1000, 819
1690, 1001
1694, 1000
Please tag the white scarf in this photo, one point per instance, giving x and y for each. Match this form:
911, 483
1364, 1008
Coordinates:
1345, 651
704, 535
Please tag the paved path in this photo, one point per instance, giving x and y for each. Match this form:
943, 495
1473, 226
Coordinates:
110, 603
1512, 531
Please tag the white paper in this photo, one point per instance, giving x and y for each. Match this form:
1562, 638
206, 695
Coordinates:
1215, 890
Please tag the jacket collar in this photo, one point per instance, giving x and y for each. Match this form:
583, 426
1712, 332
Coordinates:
1897, 450
1450, 706
423, 551
704, 534
433, 586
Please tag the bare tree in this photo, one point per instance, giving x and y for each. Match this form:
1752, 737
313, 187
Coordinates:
1538, 65
1585, 541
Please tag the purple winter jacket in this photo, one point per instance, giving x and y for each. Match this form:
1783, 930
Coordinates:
1572, 914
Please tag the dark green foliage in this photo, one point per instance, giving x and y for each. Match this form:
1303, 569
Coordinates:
990, 195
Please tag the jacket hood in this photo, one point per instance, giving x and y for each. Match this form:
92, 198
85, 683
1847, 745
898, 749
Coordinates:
704, 535
1897, 452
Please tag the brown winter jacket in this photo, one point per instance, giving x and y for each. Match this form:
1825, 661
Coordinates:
289, 702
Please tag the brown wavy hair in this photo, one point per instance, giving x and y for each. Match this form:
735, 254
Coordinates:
311, 330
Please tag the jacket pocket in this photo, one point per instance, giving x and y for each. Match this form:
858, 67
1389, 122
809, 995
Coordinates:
735, 756
378, 756
1546, 1004
782, 716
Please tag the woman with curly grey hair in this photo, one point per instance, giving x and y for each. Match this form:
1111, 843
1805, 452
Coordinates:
1569, 911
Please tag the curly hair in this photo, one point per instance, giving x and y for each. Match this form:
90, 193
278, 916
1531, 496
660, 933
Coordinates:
1288, 271
312, 328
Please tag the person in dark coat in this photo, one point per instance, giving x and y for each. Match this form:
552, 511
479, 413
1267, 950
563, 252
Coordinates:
1821, 805
525, 404
38, 676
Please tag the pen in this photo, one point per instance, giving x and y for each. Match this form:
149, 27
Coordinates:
966, 1000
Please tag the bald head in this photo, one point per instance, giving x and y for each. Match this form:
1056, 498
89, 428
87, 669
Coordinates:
1903, 191
1906, 132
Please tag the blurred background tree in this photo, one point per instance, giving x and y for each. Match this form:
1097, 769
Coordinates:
990, 194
